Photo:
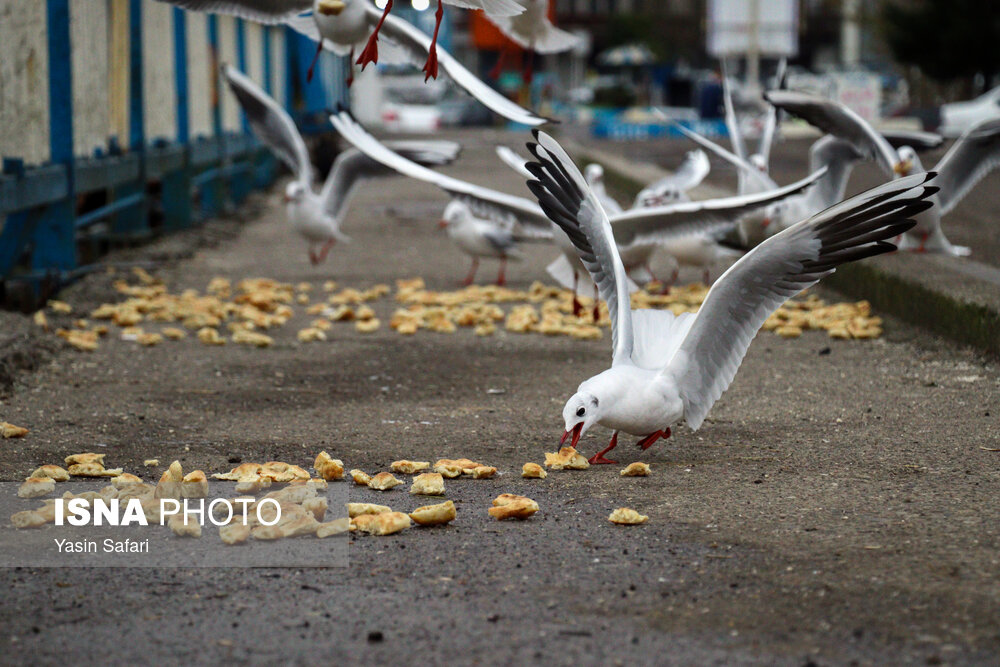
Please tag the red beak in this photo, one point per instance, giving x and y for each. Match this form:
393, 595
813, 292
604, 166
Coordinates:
577, 430
767, 221
442, 224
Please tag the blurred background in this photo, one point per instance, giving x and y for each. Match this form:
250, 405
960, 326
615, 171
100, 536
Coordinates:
114, 125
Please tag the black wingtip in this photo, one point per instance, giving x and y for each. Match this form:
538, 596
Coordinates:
535, 169
535, 132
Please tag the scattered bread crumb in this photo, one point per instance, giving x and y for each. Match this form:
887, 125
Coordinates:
409, 467
637, 469
428, 484
533, 471
627, 517
433, 515
383, 481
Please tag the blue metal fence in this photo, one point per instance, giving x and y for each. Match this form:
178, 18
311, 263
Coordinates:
58, 216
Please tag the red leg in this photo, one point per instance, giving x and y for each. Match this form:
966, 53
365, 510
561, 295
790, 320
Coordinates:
597, 305
502, 276
350, 68
529, 68
431, 66
325, 250
370, 52
472, 272
648, 441
923, 242
498, 68
312, 65
599, 456
312, 257
577, 307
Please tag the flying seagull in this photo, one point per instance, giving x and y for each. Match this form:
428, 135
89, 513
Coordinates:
318, 216
341, 25
973, 155
666, 368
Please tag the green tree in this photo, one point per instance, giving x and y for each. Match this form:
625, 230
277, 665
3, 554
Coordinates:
946, 39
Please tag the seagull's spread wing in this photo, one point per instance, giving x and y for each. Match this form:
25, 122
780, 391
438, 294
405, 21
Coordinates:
416, 44
773, 115
658, 224
352, 168
690, 174
732, 122
915, 139
272, 124
569, 202
514, 161
491, 7
483, 202
262, 11
975, 154
763, 179
777, 269
840, 121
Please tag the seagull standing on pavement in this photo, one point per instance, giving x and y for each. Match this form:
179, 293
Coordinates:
318, 216
666, 368
479, 238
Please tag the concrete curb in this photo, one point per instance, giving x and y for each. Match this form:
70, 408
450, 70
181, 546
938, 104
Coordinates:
953, 297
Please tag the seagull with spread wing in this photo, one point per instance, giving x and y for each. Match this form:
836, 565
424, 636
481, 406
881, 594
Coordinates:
973, 155
666, 368
318, 216
342, 25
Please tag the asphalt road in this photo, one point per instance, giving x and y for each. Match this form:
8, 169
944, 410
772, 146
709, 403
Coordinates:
838, 507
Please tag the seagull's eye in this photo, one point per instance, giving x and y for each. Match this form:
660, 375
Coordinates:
581, 411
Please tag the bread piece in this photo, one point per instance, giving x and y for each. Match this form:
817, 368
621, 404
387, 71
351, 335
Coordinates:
36, 487
637, 469
383, 481
433, 515
194, 485
357, 509
625, 516
360, 477
191, 529
533, 471
409, 467
386, 523
335, 527
28, 519
510, 506
428, 484
566, 458
328, 468
51, 471
88, 457
234, 533
8, 430
483, 472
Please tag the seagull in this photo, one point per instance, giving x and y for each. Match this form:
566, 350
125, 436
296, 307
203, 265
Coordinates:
674, 188
341, 25
838, 157
532, 31
973, 155
666, 368
318, 216
642, 229
479, 238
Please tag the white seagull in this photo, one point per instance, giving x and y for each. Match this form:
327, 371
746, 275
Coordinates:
532, 31
318, 216
479, 238
666, 368
973, 155
341, 25
674, 188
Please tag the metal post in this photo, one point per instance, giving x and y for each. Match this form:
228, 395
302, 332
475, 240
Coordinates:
176, 192
53, 233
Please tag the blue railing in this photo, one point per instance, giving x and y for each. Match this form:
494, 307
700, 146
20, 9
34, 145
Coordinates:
50, 211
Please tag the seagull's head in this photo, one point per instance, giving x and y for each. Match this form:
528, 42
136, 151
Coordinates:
581, 412
294, 192
594, 174
453, 214
907, 161
758, 162
330, 7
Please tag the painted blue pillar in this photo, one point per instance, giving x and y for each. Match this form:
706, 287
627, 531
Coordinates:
53, 230
176, 186
264, 162
240, 182
133, 223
